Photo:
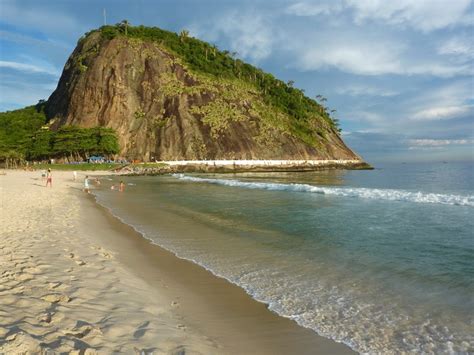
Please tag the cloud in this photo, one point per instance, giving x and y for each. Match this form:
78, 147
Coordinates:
40, 18
364, 90
382, 147
460, 47
315, 9
359, 57
415, 143
27, 68
250, 35
446, 112
373, 55
423, 15
444, 102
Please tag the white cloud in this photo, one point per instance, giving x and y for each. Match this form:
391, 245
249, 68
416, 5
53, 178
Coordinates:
441, 103
315, 9
439, 142
361, 54
459, 47
364, 90
424, 15
27, 68
39, 18
351, 55
250, 35
442, 112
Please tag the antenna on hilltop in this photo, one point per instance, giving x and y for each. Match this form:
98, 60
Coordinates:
105, 18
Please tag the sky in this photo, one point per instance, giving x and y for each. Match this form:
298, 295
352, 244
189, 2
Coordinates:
399, 73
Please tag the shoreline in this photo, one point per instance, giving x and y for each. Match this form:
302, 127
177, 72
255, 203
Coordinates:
110, 289
212, 304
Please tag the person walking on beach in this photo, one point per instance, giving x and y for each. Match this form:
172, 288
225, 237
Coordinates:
74, 175
86, 184
49, 178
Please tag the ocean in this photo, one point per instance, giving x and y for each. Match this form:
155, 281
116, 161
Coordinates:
381, 260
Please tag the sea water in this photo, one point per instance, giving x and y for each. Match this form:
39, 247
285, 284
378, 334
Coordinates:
380, 260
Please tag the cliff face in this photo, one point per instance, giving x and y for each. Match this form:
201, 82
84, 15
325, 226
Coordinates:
163, 110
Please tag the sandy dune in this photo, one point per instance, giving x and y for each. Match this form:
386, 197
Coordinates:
60, 290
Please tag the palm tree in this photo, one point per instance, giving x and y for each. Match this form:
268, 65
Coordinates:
183, 35
124, 25
320, 99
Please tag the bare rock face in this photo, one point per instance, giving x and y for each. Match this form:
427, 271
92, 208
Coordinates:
162, 110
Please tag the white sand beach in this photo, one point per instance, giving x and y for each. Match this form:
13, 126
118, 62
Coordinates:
62, 290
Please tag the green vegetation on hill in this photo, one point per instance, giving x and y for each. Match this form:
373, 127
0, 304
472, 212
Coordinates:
203, 57
24, 134
17, 126
71, 141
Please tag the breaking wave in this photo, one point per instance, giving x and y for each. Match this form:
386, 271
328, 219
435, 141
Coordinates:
375, 194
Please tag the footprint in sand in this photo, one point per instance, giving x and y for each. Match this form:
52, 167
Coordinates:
77, 261
55, 298
83, 330
31, 270
106, 255
141, 330
180, 350
102, 252
24, 277
46, 317
53, 285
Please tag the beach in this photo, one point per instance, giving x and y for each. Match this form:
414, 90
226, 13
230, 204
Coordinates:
74, 278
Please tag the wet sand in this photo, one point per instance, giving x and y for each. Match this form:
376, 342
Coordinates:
117, 291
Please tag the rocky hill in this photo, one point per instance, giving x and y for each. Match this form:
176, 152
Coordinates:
169, 97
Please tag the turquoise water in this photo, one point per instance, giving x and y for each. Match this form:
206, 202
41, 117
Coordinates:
381, 260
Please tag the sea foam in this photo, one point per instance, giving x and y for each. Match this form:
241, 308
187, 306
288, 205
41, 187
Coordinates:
367, 193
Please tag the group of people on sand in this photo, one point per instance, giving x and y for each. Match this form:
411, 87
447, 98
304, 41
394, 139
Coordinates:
47, 174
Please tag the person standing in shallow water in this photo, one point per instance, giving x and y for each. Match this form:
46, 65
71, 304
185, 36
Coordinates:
121, 186
49, 178
86, 184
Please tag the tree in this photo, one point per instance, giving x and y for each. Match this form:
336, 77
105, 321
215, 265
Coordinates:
183, 35
124, 25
